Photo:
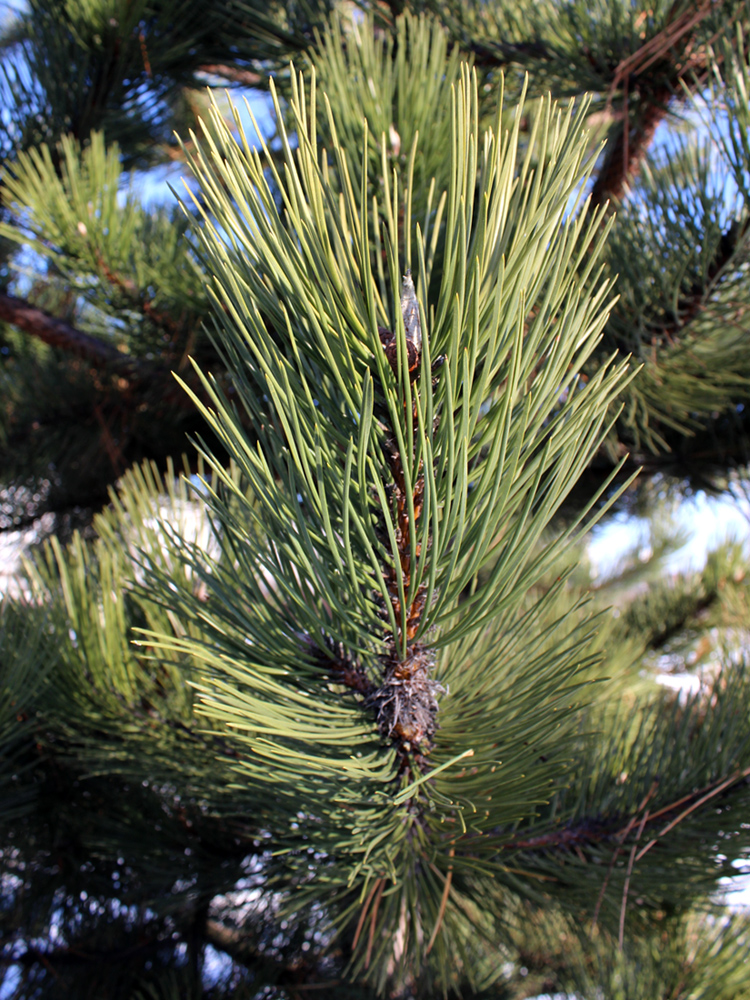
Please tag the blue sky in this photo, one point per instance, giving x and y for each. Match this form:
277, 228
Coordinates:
707, 521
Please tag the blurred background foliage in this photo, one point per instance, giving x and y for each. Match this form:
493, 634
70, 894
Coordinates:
141, 855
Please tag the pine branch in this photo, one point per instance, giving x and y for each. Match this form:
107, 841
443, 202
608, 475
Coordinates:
77, 956
233, 941
625, 155
500, 54
675, 627
487, 54
406, 701
98, 353
692, 303
243, 949
57, 333
587, 832
236, 943
390, 9
141, 301
234, 74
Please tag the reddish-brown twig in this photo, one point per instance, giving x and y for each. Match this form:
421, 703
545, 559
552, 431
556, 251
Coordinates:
733, 779
373, 920
365, 908
626, 886
622, 836
443, 902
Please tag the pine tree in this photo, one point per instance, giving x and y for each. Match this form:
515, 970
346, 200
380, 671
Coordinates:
342, 706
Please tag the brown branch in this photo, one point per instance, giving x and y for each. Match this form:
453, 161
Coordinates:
343, 669
363, 913
443, 902
733, 779
243, 948
373, 922
659, 44
144, 54
622, 837
389, 10
234, 74
406, 701
559, 838
96, 352
660, 639
586, 833
112, 448
141, 301
58, 333
354, 677
234, 941
77, 956
625, 155
626, 886
692, 303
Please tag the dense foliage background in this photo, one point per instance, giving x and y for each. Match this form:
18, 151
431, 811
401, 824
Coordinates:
343, 706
